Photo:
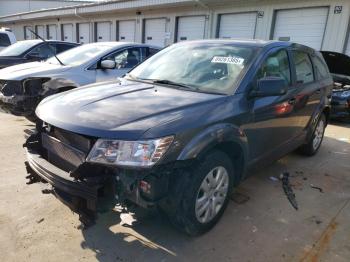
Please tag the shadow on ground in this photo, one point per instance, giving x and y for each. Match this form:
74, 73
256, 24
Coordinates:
247, 227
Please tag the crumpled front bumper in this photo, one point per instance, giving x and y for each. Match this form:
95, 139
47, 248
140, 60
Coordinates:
19, 105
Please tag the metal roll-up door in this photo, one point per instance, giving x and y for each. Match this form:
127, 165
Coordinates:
155, 31
40, 30
126, 31
84, 33
27, 33
190, 28
103, 31
52, 32
240, 25
67, 32
304, 26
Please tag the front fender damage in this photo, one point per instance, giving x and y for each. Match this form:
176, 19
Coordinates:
23, 99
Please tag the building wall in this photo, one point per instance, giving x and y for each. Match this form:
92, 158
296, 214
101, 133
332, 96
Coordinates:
335, 36
9, 7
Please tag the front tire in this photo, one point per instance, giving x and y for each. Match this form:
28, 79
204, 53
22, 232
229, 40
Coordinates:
205, 195
314, 143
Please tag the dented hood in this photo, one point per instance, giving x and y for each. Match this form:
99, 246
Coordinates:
33, 69
122, 110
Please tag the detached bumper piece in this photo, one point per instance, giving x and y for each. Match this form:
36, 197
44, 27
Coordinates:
19, 105
80, 195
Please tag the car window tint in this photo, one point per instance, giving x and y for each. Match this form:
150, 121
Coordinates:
321, 69
152, 51
43, 51
62, 47
303, 67
277, 65
127, 58
4, 40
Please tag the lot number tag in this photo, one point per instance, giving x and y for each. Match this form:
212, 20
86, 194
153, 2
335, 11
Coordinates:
228, 60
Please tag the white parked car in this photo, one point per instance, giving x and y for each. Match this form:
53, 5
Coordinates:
23, 86
7, 38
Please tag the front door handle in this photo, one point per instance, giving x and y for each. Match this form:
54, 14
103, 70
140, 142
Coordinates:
292, 101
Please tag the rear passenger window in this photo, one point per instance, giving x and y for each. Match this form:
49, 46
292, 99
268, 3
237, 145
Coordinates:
277, 65
303, 67
4, 40
321, 69
62, 47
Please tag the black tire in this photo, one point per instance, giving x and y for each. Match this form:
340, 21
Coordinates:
309, 149
184, 216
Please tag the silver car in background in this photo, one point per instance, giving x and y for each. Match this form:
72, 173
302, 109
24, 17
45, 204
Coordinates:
23, 86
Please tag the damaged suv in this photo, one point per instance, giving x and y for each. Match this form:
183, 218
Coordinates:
23, 86
181, 129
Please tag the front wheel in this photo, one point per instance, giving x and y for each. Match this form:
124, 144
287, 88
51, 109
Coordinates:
316, 139
206, 194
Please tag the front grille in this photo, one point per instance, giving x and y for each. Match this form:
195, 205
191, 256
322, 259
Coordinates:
65, 149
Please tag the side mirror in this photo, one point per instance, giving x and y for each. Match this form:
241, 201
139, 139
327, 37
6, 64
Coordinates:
270, 86
108, 64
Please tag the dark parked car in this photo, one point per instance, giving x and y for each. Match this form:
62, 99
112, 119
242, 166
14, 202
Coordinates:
339, 66
182, 128
31, 50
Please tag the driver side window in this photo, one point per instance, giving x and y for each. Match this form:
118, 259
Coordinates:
276, 65
43, 51
127, 58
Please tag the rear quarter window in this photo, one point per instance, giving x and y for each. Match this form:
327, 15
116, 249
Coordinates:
303, 67
321, 69
4, 40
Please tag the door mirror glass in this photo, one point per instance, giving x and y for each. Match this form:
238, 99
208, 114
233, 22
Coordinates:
108, 64
270, 86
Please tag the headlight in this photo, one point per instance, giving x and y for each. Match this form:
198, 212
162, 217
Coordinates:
129, 153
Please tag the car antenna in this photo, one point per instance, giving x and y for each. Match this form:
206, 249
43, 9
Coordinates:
50, 47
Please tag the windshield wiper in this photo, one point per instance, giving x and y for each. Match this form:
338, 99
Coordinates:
168, 82
50, 47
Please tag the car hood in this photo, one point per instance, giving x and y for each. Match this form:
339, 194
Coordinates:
33, 69
337, 63
121, 110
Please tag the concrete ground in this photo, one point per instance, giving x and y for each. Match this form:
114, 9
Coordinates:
258, 225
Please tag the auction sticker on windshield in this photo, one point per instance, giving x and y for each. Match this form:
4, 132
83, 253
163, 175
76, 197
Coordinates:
228, 60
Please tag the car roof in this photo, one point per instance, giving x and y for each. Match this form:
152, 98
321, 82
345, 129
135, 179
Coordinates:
122, 44
250, 42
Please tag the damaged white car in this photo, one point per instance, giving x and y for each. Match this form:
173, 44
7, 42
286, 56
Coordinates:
23, 86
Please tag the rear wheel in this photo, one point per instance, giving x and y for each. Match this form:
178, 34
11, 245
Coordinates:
316, 139
205, 195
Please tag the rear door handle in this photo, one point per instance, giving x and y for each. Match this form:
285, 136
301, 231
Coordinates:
318, 91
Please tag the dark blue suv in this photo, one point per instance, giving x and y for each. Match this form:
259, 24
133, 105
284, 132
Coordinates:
181, 129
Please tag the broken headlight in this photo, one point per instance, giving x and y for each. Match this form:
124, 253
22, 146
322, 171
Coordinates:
129, 153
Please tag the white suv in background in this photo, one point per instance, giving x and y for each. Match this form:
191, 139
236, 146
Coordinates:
6, 38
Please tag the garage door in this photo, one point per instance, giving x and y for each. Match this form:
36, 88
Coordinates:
67, 32
126, 31
190, 28
40, 30
304, 26
103, 31
155, 31
237, 25
27, 33
84, 33
52, 31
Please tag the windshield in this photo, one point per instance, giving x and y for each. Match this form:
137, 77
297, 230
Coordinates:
79, 55
18, 48
201, 67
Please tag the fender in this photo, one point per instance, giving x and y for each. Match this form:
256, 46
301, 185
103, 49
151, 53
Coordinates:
50, 87
211, 137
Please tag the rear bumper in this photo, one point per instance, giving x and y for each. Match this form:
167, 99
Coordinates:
340, 109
